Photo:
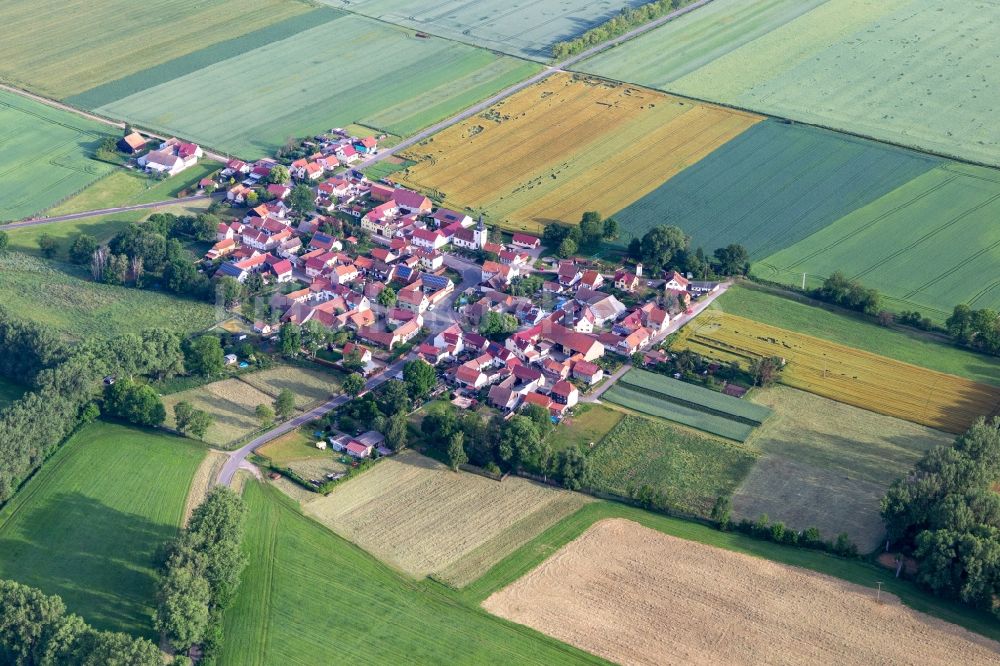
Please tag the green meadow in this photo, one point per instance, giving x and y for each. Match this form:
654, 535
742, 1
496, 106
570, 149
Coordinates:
89, 525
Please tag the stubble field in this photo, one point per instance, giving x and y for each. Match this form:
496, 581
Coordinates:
420, 517
634, 595
310, 386
847, 375
565, 146
824, 464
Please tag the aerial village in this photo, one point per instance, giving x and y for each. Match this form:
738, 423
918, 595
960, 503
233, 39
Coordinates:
402, 278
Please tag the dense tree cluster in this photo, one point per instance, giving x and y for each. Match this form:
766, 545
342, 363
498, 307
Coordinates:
385, 409
515, 444
667, 247
65, 384
202, 573
36, 630
152, 252
978, 329
134, 402
585, 236
947, 514
850, 294
627, 19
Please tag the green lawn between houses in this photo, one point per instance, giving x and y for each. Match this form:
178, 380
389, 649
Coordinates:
89, 525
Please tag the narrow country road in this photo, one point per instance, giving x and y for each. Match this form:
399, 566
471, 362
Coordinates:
237, 457
518, 87
34, 222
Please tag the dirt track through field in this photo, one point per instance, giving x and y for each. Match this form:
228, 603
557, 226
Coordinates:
637, 596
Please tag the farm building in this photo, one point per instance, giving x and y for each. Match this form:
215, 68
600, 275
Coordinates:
132, 143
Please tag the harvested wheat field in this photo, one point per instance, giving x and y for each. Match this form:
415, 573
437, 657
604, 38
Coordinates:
845, 374
420, 517
568, 145
637, 596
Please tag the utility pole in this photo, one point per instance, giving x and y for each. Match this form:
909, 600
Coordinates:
803, 281
878, 592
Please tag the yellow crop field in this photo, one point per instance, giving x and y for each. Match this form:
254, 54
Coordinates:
565, 146
845, 374
417, 515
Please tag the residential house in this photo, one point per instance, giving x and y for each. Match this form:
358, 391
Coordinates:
676, 282
414, 300
569, 274
626, 281
132, 143
564, 393
364, 354
589, 373
591, 279
571, 342
526, 241
469, 374
162, 161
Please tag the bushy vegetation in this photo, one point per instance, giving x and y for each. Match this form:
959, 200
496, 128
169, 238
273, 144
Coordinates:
850, 294
977, 329
35, 629
202, 573
627, 19
946, 513
65, 382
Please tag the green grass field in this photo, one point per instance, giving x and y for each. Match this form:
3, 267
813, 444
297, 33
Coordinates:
837, 326
871, 68
83, 44
55, 295
382, 76
620, 394
9, 391
310, 597
310, 385
125, 188
826, 465
539, 549
588, 425
683, 45
527, 29
47, 155
771, 186
691, 470
88, 526
927, 245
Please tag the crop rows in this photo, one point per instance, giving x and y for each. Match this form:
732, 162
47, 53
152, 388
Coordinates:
712, 401
672, 411
567, 145
848, 375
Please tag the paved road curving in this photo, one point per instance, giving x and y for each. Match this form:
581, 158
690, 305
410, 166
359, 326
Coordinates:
237, 457
34, 222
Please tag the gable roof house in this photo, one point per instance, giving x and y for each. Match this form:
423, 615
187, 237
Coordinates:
569, 274
524, 240
162, 161
132, 143
626, 281
676, 282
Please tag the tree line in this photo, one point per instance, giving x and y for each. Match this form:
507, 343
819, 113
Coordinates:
627, 18
36, 630
65, 387
946, 514
202, 573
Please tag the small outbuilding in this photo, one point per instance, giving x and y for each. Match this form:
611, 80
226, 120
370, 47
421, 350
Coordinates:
230, 359
321, 445
132, 143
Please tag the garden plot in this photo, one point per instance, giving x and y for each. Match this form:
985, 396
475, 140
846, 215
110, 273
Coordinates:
634, 595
